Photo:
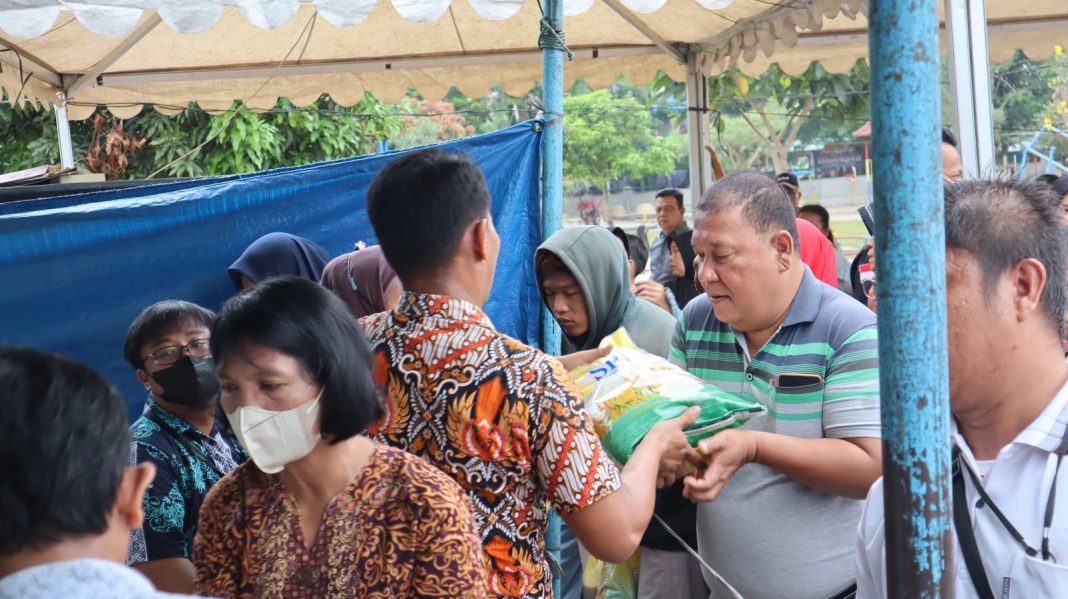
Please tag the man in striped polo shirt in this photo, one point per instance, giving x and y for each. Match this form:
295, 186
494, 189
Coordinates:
781, 496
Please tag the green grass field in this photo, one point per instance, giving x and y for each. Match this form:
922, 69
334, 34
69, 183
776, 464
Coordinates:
850, 232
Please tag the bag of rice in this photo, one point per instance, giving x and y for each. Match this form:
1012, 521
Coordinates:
630, 390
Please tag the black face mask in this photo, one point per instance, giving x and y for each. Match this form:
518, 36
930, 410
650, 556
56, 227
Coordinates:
189, 382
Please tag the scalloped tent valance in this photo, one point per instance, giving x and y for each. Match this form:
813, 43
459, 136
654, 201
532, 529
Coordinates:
126, 53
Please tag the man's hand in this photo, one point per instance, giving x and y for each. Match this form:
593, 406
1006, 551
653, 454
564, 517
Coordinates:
725, 453
654, 292
581, 358
674, 447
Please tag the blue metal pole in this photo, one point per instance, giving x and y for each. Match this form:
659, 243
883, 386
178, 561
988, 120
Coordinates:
910, 270
552, 200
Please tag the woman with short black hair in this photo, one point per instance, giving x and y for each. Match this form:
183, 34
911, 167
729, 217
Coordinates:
321, 510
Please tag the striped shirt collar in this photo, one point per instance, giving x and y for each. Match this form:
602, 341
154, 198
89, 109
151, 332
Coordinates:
806, 304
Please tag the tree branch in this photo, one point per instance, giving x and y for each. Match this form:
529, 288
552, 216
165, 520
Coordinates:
795, 125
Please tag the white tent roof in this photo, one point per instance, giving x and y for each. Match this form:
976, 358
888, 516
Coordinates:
125, 53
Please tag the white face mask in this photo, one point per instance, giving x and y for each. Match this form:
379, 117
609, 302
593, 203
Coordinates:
274, 439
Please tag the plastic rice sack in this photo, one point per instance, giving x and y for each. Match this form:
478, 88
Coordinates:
602, 580
629, 391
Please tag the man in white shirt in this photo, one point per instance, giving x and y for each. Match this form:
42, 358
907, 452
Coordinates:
67, 494
1005, 291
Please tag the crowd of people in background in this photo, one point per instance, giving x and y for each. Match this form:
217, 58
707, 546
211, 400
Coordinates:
357, 426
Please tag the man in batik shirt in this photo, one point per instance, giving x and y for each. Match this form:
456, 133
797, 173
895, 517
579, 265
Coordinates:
503, 419
168, 346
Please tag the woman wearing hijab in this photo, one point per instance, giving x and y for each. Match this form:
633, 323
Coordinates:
364, 281
682, 257
278, 254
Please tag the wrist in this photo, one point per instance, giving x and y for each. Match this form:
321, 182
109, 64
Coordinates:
752, 446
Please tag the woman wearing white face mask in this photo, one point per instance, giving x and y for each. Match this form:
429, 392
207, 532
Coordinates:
320, 510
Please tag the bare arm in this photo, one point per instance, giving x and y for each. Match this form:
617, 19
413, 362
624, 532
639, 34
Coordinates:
654, 292
171, 575
717, 168
612, 527
846, 467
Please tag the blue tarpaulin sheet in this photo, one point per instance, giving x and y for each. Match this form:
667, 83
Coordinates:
75, 271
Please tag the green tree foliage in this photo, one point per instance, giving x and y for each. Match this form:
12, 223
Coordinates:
814, 95
1056, 114
193, 143
741, 147
1021, 92
606, 138
28, 138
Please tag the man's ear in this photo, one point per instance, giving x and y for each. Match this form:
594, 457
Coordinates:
130, 502
480, 238
142, 375
783, 242
1028, 278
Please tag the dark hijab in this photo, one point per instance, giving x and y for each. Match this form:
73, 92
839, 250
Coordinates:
360, 279
684, 287
277, 254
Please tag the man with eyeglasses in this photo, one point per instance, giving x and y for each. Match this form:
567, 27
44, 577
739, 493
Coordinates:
671, 217
168, 346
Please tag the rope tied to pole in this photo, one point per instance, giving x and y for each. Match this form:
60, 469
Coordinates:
551, 39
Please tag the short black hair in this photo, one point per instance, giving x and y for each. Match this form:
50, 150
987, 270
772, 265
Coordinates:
421, 204
64, 444
948, 137
1002, 221
671, 191
1048, 179
823, 215
306, 321
639, 252
159, 319
765, 206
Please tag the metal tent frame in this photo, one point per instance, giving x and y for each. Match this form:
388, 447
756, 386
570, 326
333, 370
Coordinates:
910, 238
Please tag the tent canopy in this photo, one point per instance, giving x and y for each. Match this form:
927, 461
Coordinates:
126, 53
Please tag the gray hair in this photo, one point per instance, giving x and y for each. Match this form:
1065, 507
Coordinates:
1003, 221
764, 204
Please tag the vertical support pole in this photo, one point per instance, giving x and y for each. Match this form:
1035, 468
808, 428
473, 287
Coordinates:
552, 202
910, 246
66, 148
697, 126
969, 78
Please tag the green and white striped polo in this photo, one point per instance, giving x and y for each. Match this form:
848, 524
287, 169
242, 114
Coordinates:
767, 534
826, 333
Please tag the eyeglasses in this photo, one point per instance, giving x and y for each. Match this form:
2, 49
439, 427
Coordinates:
165, 356
869, 288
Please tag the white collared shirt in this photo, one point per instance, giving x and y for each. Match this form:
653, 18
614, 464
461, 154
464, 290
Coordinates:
1018, 482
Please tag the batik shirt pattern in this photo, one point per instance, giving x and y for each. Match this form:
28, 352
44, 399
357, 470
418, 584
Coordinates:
503, 419
401, 528
172, 501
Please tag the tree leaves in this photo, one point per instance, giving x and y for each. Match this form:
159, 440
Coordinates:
193, 143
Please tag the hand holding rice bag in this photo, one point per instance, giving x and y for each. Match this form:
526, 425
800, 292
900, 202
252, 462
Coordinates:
629, 391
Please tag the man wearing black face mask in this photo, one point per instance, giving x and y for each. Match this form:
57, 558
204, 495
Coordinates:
168, 346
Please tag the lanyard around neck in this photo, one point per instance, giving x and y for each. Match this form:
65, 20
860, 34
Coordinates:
960, 465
